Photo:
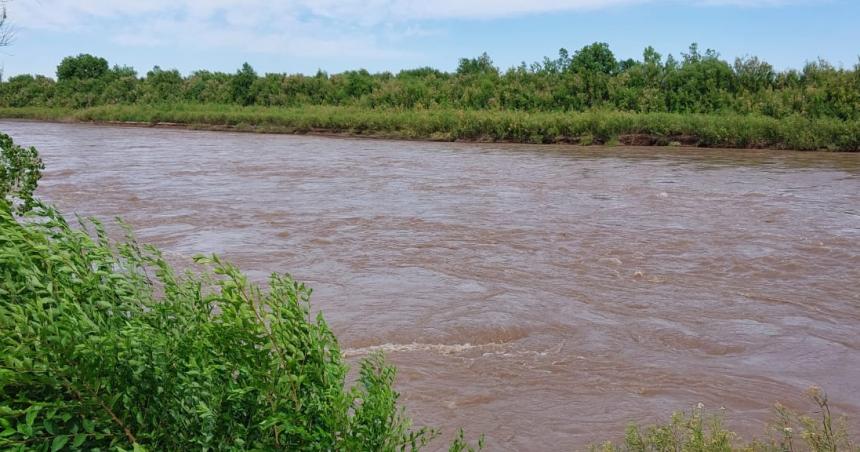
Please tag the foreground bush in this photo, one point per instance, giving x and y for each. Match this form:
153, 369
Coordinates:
104, 346
20, 170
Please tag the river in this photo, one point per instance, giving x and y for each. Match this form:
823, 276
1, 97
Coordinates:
543, 295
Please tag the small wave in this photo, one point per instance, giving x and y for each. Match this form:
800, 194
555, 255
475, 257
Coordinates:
496, 349
445, 349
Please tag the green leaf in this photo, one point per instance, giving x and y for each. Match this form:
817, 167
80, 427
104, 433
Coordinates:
49, 427
79, 439
32, 412
59, 442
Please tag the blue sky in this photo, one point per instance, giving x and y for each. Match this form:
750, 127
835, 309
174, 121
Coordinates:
304, 35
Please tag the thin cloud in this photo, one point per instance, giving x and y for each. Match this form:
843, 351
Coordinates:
362, 13
359, 28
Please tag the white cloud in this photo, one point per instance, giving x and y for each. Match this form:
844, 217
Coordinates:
360, 28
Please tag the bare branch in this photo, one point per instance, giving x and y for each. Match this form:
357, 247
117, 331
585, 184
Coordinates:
7, 33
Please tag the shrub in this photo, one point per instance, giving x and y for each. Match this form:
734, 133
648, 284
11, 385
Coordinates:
20, 170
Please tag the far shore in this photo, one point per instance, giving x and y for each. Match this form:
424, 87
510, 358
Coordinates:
477, 126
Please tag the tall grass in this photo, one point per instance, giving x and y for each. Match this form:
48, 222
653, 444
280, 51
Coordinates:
592, 127
701, 431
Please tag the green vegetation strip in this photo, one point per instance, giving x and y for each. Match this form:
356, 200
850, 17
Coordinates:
591, 127
587, 97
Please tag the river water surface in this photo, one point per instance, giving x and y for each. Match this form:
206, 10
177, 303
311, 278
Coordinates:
545, 296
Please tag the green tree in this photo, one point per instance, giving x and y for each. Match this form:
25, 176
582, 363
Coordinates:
483, 64
162, 85
83, 66
590, 71
595, 58
753, 74
241, 83
701, 83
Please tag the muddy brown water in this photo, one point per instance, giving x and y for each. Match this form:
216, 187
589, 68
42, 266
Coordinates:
546, 296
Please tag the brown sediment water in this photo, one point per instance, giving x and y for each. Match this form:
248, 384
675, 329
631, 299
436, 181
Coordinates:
544, 295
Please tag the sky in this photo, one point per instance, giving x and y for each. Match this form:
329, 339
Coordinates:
292, 36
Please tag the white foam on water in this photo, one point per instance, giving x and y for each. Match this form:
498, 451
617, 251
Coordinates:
445, 349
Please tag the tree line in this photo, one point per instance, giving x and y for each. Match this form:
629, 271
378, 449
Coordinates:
587, 79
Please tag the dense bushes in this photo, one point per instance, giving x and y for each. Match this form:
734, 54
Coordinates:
584, 97
698, 82
103, 346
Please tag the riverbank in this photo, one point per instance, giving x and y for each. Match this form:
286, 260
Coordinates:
593, 127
